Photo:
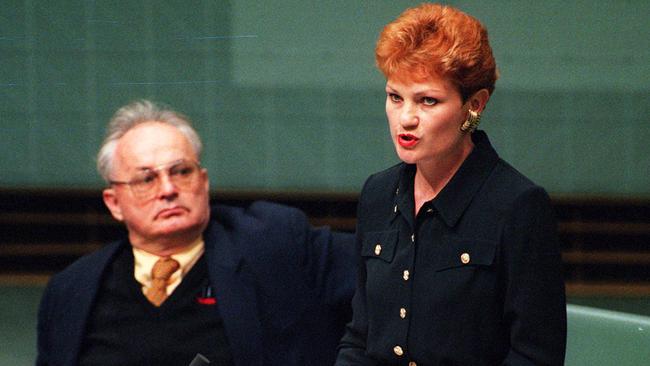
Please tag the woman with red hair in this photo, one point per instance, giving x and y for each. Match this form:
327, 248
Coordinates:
459, 254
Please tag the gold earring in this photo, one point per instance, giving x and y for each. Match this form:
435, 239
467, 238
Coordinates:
473, 119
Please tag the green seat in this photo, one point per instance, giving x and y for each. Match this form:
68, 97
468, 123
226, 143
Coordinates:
601, 337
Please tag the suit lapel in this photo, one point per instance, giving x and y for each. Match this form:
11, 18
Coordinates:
236, 296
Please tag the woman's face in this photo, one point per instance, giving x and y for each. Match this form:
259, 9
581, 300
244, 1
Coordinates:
424, 119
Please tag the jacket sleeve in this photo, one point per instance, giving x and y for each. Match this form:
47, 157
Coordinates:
325, 257
47, 324
43, 347
534, 304
331, 263
352, 348
304, 278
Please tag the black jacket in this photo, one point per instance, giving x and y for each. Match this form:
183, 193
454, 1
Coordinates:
475, 279
282, 288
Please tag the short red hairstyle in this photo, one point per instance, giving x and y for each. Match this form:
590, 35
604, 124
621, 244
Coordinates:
437, 40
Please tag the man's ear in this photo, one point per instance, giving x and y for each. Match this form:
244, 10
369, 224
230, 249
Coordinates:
110, 200
205, 178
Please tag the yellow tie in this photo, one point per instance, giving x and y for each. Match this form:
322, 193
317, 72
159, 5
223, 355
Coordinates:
160, 274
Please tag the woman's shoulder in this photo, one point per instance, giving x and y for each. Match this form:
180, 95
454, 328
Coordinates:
378, 193
508, 175
386, 176
383, 183
507, 185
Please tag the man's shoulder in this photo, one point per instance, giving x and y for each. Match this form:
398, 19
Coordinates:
257, 214
87, 264
255, 226
268, 235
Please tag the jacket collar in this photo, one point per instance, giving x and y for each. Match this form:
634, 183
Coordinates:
456, 196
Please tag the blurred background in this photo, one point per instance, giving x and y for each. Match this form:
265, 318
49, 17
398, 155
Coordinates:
291, 108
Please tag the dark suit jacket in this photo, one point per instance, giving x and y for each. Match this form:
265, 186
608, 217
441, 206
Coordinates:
484, 284
283, 289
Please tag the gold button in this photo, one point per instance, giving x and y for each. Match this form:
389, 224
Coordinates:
377, 249
402, 313
398, 350
412, 363
406, 274
464, 258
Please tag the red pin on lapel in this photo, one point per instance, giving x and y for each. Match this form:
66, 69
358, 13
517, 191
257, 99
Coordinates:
206, 297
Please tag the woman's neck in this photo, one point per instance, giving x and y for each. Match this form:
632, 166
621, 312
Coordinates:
433, 175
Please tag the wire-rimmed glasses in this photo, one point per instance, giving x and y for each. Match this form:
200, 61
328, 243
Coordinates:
145, 184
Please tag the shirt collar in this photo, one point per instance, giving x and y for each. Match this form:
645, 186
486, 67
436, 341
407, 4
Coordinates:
144, 262
454, 198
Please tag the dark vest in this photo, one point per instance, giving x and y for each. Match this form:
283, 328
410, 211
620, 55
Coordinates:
125, 329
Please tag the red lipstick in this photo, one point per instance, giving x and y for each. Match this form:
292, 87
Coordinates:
407, 140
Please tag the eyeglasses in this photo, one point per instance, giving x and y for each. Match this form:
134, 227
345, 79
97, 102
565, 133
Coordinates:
146, 183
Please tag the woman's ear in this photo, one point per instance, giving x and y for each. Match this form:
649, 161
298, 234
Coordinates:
478, 100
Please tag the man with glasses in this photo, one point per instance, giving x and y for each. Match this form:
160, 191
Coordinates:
239, 286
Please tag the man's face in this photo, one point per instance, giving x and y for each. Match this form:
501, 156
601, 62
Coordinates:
170, 213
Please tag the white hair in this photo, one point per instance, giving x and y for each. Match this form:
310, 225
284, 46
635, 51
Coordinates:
131, 116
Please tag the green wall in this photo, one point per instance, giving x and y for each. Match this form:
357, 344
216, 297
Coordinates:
286, 96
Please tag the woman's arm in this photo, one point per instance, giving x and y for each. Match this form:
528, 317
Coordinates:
534, 304
352, 348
